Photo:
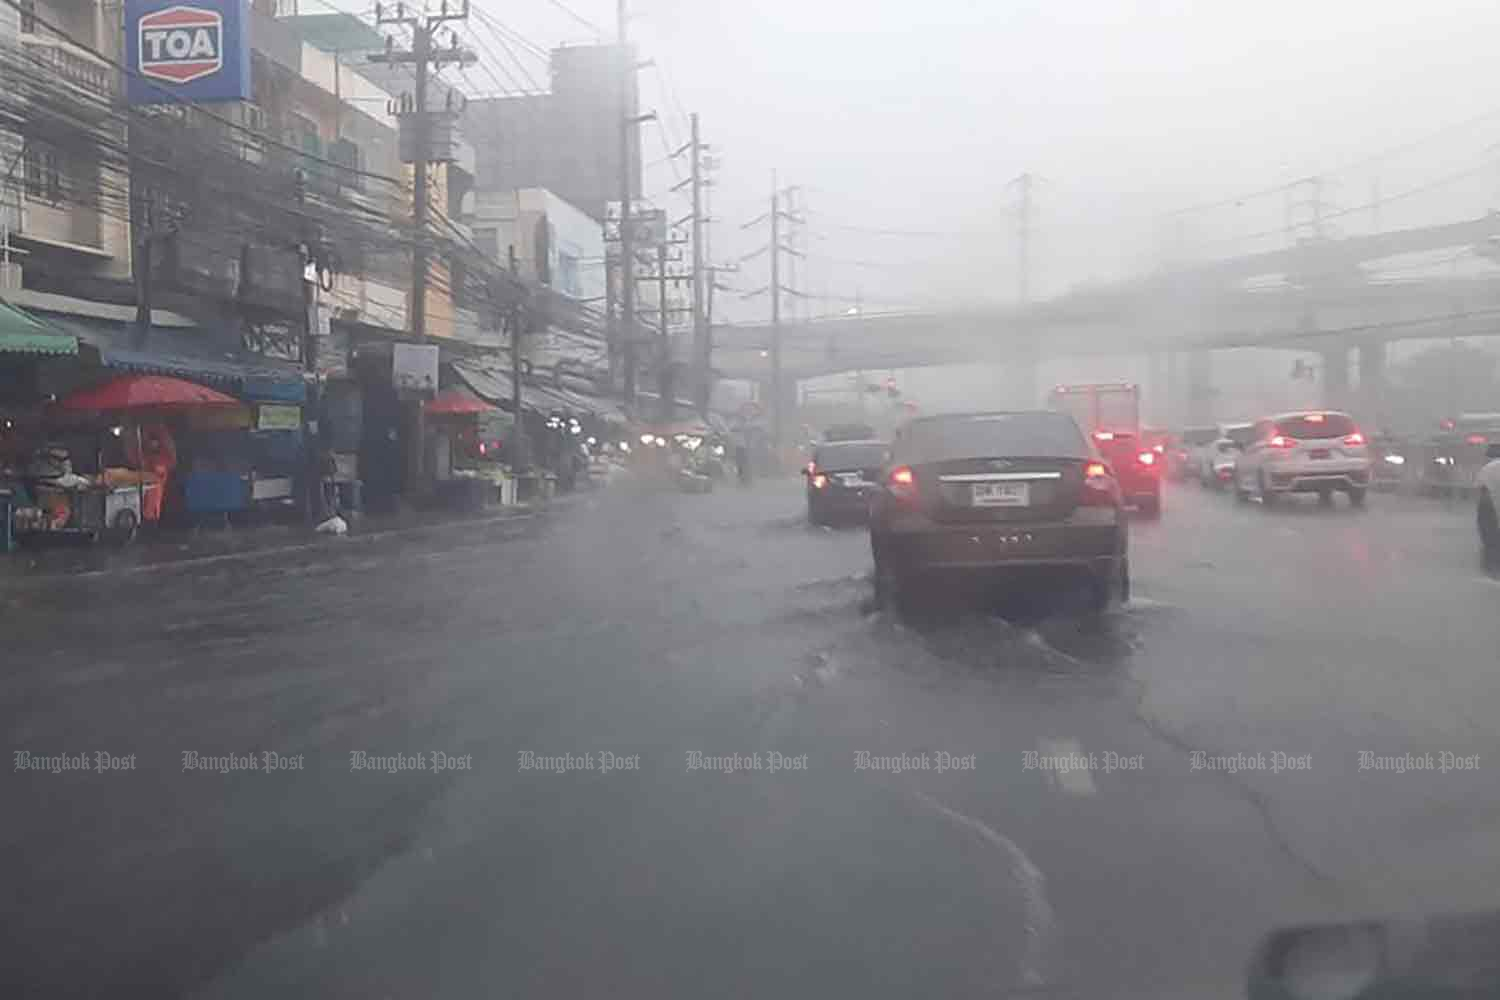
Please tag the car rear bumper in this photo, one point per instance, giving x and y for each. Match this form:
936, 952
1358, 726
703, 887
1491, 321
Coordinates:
1015, 545
1311, 479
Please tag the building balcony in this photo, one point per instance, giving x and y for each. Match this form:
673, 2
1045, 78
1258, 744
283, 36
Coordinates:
74, 66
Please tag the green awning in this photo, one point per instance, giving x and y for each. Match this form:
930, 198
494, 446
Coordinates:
20, 333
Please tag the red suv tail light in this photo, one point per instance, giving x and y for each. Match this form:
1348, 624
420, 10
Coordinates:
1355, 438
1146, 458
1098, 486
1281, 441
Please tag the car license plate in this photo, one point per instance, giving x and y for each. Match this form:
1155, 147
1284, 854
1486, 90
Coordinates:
1001, 494
1319, 453
852, 480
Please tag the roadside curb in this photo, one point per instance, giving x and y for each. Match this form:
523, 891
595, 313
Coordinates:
250, 554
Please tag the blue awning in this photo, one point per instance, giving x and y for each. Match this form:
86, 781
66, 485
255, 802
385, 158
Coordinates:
196, 353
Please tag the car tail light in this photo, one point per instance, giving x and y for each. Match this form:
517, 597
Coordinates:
812, 468
819, 481
1281, 441
903, 482
1098, 486
1476, 439
1354, 439
1146, 458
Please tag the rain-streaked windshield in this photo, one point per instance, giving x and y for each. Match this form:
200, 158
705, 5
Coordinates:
771, 499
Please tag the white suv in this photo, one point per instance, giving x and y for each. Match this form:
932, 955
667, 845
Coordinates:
1489, 506
1311, 451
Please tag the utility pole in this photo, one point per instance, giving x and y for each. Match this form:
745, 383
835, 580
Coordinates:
516, 320
664, 388
422, 57
702, 352
628, 123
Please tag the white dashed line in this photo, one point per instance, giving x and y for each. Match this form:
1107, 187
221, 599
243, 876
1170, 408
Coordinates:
1068, 766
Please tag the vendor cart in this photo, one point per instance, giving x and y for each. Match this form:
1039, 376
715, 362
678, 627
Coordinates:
93, 511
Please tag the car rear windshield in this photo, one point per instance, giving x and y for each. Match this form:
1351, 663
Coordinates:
991, 435
869, 455
1241, 436
1193, 437
1313, 426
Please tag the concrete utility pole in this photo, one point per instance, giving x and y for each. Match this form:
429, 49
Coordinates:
665, 389
422, 56
628, 123
702, 351
516, 320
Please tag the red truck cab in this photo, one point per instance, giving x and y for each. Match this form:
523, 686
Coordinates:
1109, 412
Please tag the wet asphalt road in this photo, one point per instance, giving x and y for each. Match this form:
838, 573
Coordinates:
654, 625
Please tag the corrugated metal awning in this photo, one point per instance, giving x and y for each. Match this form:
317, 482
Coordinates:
191, 352
22, 333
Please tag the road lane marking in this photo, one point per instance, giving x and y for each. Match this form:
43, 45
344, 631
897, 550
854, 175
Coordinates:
1040, 922
1072, 780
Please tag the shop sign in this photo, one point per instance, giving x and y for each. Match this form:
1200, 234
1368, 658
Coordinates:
278, 417
187, 52
414, 368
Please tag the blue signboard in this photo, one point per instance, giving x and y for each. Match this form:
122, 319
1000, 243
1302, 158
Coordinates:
187, 52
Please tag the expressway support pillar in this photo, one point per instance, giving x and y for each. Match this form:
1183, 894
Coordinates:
1335, 365
1372, 358
1200, 392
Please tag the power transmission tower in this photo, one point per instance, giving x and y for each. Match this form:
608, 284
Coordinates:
775, 248
422, 56
1306, 208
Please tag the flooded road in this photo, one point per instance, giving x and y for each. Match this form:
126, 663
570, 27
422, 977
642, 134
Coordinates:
664, 744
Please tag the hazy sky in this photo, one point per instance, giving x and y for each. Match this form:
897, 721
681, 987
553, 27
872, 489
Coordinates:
914, 116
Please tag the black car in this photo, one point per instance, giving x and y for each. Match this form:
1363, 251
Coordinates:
1015, 494
840, 479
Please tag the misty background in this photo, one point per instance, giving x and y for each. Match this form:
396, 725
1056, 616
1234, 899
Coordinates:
1158, 134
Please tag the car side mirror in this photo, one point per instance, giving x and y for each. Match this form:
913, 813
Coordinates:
1493, 451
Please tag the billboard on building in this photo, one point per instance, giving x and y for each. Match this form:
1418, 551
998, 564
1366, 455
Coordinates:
192, 52
414, 368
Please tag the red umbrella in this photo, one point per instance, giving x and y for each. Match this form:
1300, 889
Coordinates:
134, 392
455, 402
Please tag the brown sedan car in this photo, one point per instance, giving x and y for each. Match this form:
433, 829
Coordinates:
1015, 494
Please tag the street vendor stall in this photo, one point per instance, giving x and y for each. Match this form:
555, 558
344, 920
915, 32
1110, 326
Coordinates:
466, 444
134, 457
